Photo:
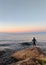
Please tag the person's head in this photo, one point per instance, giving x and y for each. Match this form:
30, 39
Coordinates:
33, 37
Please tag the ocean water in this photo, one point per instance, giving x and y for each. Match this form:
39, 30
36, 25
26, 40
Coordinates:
14, 40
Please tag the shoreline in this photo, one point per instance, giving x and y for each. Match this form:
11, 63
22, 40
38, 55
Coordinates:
20, 46
5, 55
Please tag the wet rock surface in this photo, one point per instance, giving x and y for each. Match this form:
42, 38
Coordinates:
26, 43
5, 57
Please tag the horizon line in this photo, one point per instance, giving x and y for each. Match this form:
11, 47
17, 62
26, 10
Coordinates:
26, 32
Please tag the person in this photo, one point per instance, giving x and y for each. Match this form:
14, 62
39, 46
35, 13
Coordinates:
34, 41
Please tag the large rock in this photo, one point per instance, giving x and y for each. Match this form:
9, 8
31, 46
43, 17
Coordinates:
27, 62
26, 43
33, 52
1, 53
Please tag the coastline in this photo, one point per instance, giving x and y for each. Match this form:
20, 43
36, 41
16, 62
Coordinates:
5, 55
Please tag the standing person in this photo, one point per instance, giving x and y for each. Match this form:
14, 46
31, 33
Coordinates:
34, 41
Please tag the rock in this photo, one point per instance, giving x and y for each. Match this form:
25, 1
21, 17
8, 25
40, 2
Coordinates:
1, 53
27, 62
33, 52
5, 57
41, 58
26, 43
29, 56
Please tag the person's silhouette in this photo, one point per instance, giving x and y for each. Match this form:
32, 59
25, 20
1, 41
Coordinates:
34, 41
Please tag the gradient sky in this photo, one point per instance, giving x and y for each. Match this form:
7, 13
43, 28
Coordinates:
22, 15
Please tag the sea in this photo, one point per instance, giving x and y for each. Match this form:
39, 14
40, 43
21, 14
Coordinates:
15, 40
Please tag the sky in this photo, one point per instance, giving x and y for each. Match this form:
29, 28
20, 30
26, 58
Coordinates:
22, 15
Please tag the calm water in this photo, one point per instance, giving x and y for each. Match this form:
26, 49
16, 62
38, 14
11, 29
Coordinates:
12, 40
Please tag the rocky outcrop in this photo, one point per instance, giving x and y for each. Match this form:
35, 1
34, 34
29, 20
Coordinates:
29, 53
27, 62
30, 56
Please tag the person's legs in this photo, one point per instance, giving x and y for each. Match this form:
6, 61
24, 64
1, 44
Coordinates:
34, 44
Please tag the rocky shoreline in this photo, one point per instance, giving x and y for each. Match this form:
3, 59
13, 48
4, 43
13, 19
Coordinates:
29, 56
